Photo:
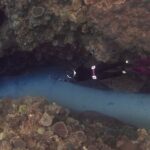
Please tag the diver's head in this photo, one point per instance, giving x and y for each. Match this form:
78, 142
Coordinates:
79, 74
71, 74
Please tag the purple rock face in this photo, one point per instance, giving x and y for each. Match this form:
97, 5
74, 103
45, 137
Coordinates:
2, 17
142, 70
143, 61
142, 66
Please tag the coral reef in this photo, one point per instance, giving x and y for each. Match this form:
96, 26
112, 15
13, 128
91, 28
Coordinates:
104, 28
21, 128
124, 22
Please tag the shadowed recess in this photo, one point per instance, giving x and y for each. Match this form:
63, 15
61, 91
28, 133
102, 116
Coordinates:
2, 17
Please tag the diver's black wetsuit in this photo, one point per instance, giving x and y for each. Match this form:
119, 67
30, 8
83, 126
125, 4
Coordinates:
102, 71
82, 73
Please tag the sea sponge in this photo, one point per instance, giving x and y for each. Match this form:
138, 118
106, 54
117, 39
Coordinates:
107, 4
37, 11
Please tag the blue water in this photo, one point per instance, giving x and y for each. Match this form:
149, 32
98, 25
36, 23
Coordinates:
127, 107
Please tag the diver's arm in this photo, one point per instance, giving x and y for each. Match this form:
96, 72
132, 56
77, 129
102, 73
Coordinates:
106, 75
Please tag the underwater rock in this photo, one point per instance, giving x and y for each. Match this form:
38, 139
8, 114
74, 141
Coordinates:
60, 129
41, 130
122, 22
71, 131
46, 119
53, 108
4, 145
18, 143
124, 143
125, 83
104, 28
37, 12
22, 109
77, 139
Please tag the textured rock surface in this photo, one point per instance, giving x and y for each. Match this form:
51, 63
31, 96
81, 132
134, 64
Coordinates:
105, 28
69, 130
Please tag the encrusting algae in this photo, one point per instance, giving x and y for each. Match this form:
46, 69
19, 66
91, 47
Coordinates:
103, 28
34, 123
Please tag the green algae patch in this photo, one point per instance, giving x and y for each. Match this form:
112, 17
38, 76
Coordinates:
22, 109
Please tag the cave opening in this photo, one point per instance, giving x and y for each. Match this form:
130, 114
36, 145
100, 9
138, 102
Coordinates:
16, 62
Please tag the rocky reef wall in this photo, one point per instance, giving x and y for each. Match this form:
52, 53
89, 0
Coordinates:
106, 29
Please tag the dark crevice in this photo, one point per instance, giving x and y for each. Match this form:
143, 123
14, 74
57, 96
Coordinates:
2, 17
17, 62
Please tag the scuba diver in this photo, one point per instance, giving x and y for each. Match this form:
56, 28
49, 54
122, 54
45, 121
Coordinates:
99, 71
105, 70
